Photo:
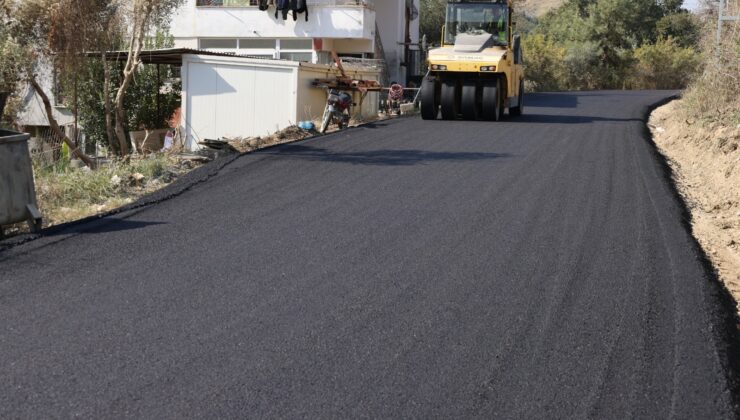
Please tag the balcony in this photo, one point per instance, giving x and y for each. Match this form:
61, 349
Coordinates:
255, 3
332, 19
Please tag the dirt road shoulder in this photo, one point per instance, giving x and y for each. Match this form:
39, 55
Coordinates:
705, 158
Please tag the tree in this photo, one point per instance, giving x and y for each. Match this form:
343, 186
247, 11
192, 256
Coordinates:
432, 15
144, 16
682, 26
545, 63
13, 62
665, 65
52, 28
149, 102
43, 28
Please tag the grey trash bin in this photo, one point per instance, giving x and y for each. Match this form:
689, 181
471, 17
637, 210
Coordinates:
17, 190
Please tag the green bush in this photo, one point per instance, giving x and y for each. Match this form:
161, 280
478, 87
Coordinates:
544, 61
665, 65
601, 40
682, 27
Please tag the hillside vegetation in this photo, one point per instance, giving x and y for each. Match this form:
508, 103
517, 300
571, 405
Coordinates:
537, 7
599, 44
613, 44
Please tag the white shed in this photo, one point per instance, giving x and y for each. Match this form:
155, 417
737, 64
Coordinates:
233, 96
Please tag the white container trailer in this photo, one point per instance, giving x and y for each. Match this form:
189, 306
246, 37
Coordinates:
239, 97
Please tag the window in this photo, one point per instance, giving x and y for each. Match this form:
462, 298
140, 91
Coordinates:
477, 19
295, 49
218, 44
296, 44
296, 56
256, 44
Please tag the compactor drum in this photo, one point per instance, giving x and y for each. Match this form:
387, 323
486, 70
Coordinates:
478, 72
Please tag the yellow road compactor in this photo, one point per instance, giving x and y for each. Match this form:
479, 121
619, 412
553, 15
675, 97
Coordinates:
477, 72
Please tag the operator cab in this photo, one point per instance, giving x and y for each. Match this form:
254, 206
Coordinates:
482, 20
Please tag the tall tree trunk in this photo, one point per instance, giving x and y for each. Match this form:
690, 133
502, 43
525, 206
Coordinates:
142, 14
107, 103
55, 125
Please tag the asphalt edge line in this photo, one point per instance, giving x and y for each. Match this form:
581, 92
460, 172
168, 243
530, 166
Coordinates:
725, 318
183, 184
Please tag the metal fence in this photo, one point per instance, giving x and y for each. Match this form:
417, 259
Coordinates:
47, 149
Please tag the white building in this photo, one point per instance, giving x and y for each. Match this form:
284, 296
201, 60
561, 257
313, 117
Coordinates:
351, 28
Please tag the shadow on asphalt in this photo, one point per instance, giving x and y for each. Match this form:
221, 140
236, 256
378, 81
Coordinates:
107, 225
564, 119
380, 157
374, 125
551, 100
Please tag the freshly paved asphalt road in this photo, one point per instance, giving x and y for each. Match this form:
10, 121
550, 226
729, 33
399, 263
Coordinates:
532, 268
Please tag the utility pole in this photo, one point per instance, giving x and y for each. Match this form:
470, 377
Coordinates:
723, 18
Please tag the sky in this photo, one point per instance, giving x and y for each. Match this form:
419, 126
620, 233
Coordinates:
691, 4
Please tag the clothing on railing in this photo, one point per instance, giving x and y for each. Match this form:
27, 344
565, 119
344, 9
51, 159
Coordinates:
287, 6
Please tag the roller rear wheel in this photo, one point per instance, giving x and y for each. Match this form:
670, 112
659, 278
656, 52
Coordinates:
519, 108
450, 99
429, 98
492, 101
470, 101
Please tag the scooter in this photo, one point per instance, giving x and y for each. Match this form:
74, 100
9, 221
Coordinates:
337, 110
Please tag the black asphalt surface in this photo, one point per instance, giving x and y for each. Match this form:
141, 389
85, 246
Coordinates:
535, 268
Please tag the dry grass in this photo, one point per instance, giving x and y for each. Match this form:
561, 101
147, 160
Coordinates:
715, 96
538, 7
66, 193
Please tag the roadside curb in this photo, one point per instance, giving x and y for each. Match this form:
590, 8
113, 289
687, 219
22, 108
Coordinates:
725, 318
181, 185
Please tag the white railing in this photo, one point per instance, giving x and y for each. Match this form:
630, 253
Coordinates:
255, 3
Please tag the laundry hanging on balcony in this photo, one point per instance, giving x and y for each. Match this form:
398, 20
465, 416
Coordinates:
301, 7
264, 4
287, 6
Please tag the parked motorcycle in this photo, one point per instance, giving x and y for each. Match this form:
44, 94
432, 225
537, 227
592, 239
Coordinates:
337, 110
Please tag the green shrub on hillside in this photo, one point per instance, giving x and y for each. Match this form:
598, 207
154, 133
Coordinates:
665, 65
601, 39
683, 27
545, 63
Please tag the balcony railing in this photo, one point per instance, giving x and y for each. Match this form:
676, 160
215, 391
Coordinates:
254, 3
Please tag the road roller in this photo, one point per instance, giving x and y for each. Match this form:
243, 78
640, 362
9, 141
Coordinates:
477, 72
